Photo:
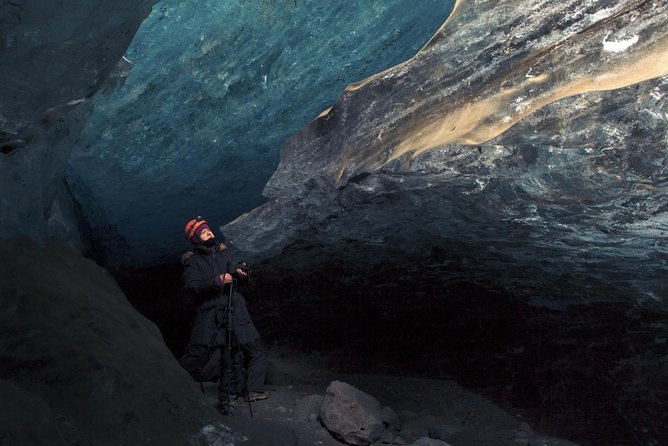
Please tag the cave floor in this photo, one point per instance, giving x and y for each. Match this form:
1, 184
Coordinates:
592, 373
472, 419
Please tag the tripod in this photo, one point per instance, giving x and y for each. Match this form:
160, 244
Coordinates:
228, 317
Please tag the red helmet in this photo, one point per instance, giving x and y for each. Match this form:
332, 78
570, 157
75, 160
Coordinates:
191, 227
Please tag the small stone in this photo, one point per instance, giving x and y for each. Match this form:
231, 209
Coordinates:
390, 418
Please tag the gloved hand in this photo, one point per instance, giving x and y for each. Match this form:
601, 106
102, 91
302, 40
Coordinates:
223, 279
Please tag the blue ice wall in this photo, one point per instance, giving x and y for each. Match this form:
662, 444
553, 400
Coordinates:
54, 57
217, 87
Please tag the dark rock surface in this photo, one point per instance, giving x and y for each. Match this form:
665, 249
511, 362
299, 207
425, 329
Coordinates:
79, 365
26, 418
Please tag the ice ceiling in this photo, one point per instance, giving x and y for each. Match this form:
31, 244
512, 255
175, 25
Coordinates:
527, 140
216, 89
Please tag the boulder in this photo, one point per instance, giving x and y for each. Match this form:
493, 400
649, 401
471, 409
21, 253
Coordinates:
79, 365
351, 415
26, 418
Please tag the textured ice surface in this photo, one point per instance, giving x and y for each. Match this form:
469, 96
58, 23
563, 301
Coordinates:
568, 205
216, 89
54, 56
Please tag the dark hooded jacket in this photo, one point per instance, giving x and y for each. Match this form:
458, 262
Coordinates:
199, 279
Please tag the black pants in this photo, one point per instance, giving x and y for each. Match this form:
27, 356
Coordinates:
214, 367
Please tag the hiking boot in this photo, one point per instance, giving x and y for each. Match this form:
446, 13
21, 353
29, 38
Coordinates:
227, 409
232, 397
257, 396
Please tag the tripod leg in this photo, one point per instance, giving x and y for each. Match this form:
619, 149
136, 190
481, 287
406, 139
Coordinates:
210, 346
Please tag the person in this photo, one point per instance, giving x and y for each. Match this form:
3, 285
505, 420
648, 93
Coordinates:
208, 272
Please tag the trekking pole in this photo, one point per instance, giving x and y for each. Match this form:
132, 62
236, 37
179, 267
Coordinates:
228, 362
230, 338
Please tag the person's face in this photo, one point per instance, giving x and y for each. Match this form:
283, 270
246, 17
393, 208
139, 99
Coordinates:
206, 234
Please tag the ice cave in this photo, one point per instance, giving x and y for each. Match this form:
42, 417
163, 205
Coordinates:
453, 218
